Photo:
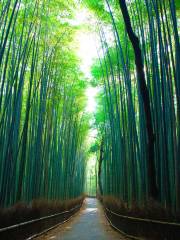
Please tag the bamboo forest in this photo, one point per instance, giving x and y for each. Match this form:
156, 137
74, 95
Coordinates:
90, 107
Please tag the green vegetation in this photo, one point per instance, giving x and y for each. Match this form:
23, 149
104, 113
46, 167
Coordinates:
42, 100
44, 124
127, 168
91, 176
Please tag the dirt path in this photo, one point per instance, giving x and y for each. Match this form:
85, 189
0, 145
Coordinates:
89, 224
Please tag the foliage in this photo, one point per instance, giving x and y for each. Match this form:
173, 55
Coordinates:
121, 117
42, 100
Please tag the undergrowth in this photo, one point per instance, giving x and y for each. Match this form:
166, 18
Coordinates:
150, 210
22, 212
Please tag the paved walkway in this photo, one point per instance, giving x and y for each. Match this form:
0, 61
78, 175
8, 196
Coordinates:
89, 224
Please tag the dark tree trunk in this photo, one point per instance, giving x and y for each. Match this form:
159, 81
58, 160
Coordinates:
99, 169
152, 186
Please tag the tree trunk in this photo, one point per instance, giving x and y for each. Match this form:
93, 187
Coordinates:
99, 169
152, 186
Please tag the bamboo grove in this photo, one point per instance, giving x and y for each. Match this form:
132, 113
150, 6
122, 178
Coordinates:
42, 125
121, 120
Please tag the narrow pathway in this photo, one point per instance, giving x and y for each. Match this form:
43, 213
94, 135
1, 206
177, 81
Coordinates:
89, 224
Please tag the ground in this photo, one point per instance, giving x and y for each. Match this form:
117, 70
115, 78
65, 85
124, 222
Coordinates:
90, 223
